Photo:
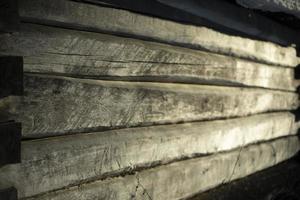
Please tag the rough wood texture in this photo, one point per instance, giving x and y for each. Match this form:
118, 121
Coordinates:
75, 53
181, 179
55, 163
287, 6
10, 143
86, 16
59, 105
221, 15
241, 21
6, 104
281, 180
11, 76
9, 16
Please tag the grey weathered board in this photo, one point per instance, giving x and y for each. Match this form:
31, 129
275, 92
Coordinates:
55, 105
243, 21
182, 179
221, 15
279, 181
82, 54
10, 143
290, 7
90, 17
58, 162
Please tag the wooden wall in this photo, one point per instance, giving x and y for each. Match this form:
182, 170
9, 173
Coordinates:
119, 105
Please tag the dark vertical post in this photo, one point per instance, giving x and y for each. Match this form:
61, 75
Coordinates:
11, 76
8, 194
10, 143
9, 16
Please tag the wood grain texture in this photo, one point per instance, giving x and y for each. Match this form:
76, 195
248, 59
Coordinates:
291, 7
223, 16
60, 105
182, 179
281, 180
83, 16
100, 56
55, 163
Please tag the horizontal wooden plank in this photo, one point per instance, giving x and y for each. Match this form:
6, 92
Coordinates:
10, 143
242, 20
281, 180
223, 16
11, 76
55, 163
289, 7
100, 56
9, 16
86, 17
182, 179
55, 105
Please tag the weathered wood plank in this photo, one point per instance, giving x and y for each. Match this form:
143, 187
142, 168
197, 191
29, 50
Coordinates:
182, 179
242, 20
9, 194
220, 15
82, 54
55, 163
86, 16
6, 104
290, 7
267, 184
9, 16
11, 76
10, 143
60, 105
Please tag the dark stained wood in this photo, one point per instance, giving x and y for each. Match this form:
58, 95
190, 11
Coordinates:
10, 143
277, 183
11, 76
9, 194
9, 16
